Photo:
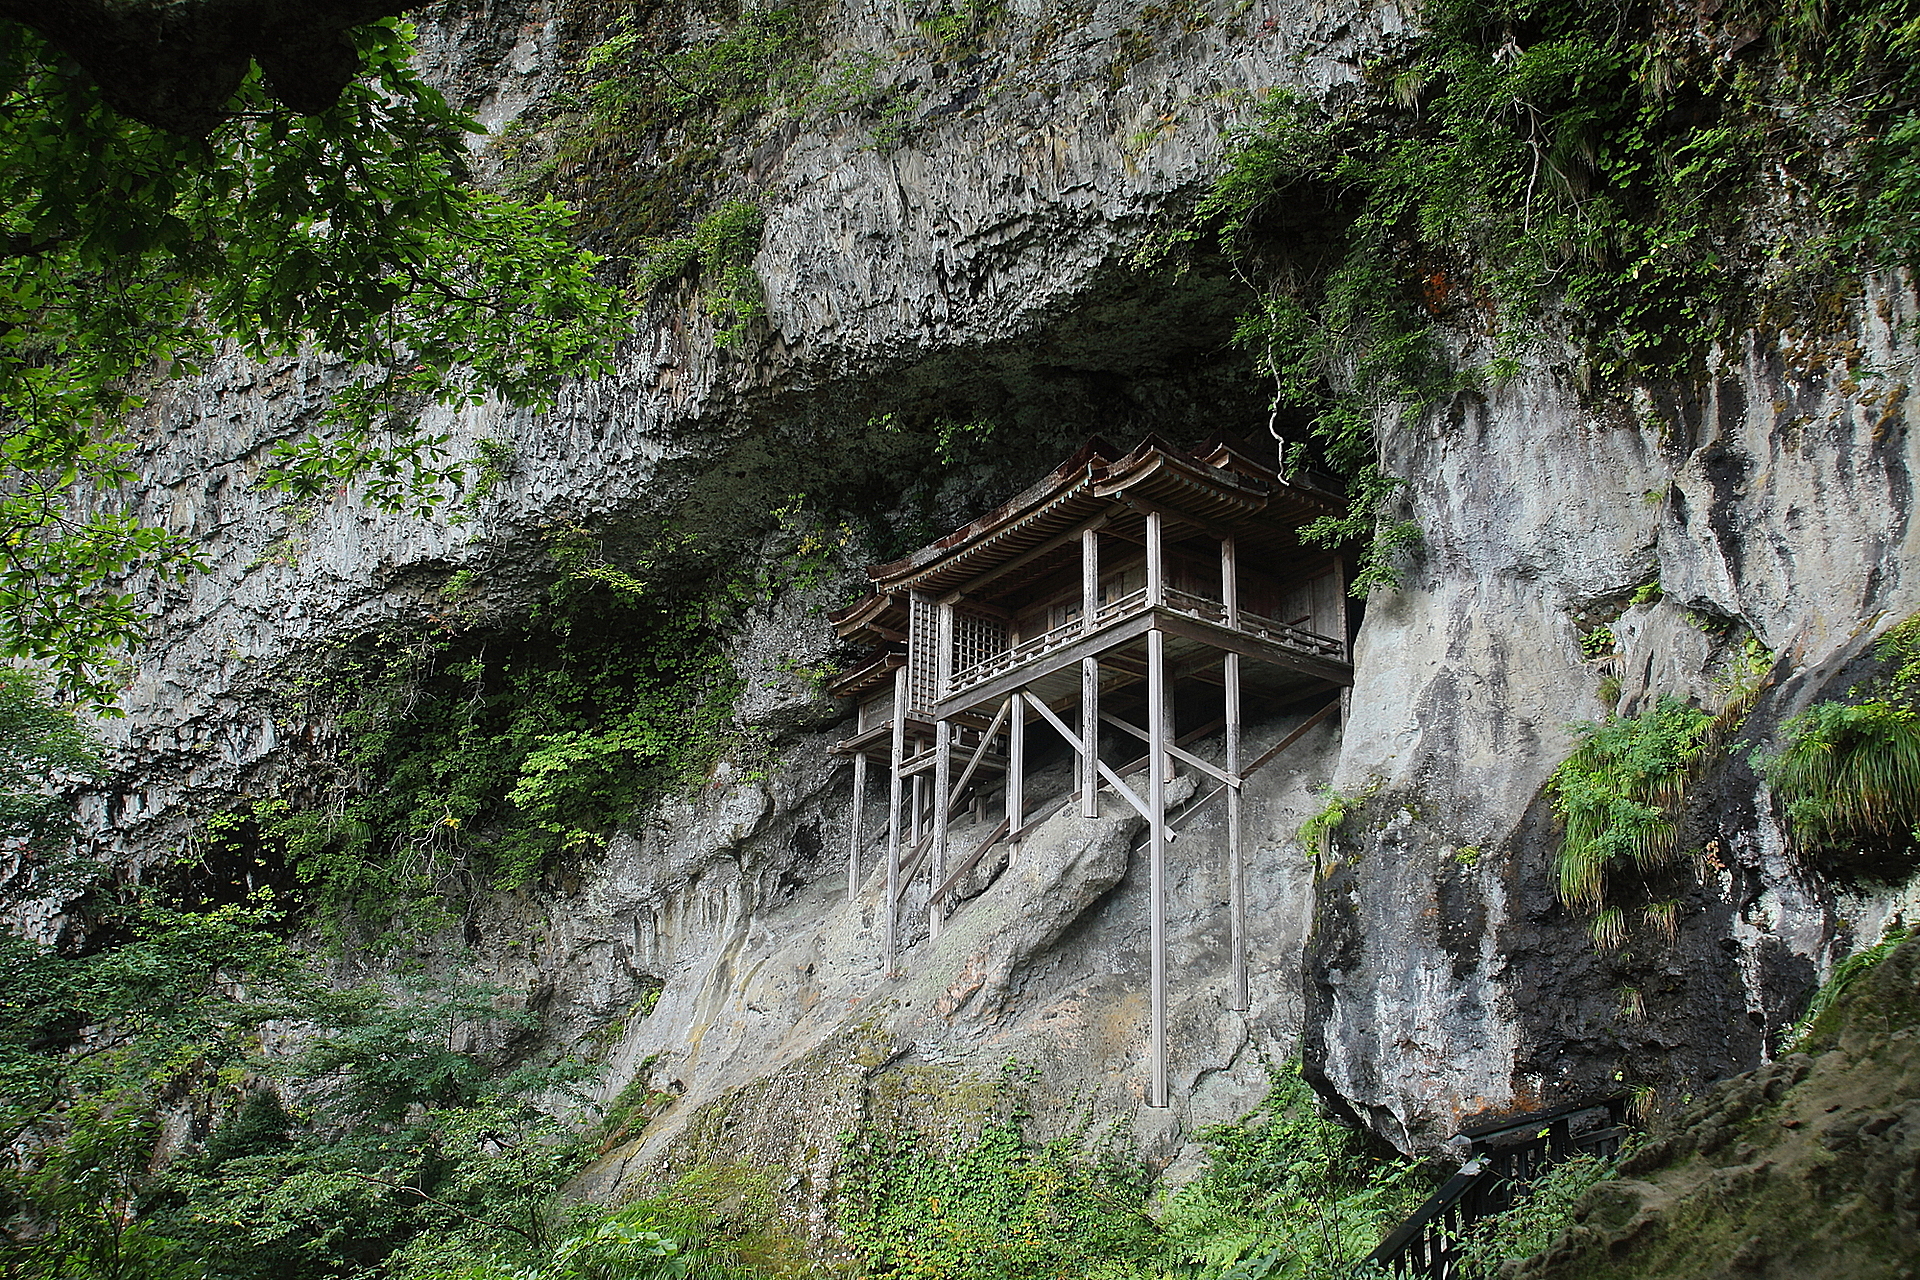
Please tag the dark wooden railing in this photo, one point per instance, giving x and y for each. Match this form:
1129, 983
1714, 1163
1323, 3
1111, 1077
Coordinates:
1502, 1159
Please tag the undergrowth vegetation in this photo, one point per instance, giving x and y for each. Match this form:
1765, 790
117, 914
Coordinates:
1848, 770
476, 757
1618, 796
1284, 1193
1610, 175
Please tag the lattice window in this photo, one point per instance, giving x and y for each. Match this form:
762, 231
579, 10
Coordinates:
975, 639
923, 650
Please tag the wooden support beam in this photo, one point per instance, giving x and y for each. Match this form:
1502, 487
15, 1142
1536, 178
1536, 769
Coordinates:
943, 656
1173, 749
971, 861
1016, 763
1151, 509
1156, 562
1089, 578
890, 925
1229, 581
1156, 844
1090, 737
1299, 733
856, 823
979, 754
1239, 996
942, 814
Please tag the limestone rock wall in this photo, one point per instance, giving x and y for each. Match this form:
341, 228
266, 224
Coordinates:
986, 266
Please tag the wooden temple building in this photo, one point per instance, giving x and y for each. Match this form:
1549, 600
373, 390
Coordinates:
1122, 591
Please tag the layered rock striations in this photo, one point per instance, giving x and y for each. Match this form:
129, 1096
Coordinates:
979, 259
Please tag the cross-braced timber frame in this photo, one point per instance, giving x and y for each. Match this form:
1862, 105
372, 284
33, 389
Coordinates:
1094, 596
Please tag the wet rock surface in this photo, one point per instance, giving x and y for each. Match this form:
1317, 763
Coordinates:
1806, 1169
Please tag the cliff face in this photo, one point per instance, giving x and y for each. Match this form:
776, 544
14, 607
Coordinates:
976, 260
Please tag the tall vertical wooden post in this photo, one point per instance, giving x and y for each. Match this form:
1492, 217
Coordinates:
1156, 561
1089, 677
1157, 758
1239, 996
857, 824
942, 805
1089, 578
1090, 737
1016, 766
894, 816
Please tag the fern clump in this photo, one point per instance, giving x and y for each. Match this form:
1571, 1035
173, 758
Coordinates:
1848, 772
1619, 793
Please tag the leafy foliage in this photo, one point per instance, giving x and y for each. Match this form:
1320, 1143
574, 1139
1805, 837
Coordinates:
129, 256
1524, 167
397, 1133
721, 250
1317, 832
1845, 974
993, 1205
1619, 792
40, 743
1848, 771
1287, 1194
1544, 1210
478, 758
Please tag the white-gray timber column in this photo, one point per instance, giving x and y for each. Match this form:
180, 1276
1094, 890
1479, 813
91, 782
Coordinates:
1156, 562
895, 799
942, 805
856, 823
1089, 578
1090, 737
1239, 996
1016, 767
1157, 759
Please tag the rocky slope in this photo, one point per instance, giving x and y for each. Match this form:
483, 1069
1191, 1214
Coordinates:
1806, 1168
981, 263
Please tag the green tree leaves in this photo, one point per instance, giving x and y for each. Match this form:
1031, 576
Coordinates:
129, 256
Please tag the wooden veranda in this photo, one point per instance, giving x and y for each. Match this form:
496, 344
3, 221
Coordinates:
1091, 600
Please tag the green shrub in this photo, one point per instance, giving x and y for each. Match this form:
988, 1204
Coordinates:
1848, 772
1618, 795
1542, 1211
479, 759
996, 1205
1286, 1192
1514, 172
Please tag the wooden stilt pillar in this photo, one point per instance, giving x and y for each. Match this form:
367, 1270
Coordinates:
942, 808
894, 804
1156, 561
1090, 737
1157, 861
1238, 995
857, 825
1016, 765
